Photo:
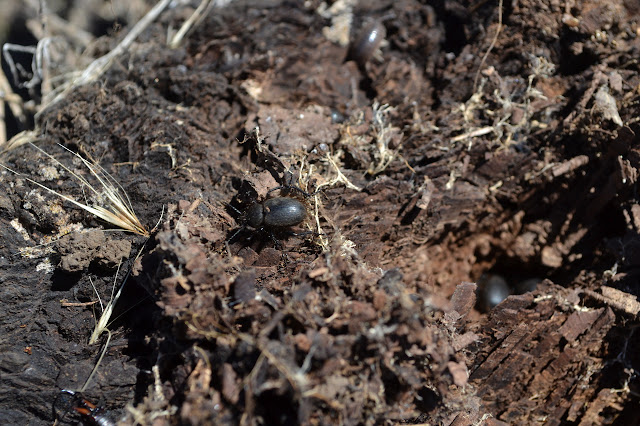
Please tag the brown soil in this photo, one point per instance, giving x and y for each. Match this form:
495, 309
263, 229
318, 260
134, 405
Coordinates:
433, 169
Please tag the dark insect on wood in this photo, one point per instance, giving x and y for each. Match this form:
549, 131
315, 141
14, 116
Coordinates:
90, 413
274, 214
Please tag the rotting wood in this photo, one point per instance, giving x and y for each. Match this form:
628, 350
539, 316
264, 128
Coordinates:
616, 299
541, 365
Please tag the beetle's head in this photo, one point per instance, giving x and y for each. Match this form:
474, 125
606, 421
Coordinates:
255, 215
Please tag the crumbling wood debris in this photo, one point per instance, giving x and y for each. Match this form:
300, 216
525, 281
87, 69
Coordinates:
540, 361
617, 299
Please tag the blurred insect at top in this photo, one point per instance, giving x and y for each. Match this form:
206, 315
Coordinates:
366, 43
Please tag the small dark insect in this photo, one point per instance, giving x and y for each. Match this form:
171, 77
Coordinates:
367, 42
91, 413
275, 214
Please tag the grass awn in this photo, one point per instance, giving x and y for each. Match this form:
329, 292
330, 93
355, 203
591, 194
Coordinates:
113, 205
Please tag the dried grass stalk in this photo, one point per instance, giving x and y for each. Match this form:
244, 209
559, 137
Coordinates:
113, 205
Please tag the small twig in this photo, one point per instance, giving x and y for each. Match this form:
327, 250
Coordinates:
472, 134
9, 47
65, 303
194, 20
14, 101
491, 46
24, 137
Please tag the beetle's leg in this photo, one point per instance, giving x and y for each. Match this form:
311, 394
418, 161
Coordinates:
303, 233
242, 228
275, 240
233, 208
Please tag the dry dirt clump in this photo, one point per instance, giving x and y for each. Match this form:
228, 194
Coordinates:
476, 140
333, 347
78, 250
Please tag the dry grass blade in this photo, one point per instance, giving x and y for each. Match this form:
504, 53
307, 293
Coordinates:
105, 319
103, 323
101, 327
194, 20
114, 208
190, 23
107, 311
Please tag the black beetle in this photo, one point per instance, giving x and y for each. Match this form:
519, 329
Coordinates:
275, 213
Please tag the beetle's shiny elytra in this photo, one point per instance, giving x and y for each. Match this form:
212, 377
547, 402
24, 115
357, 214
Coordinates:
278, 212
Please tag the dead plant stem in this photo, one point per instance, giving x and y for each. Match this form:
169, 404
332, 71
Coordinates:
491, 46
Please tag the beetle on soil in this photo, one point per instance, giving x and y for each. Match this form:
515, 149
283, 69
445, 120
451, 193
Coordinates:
275, 214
